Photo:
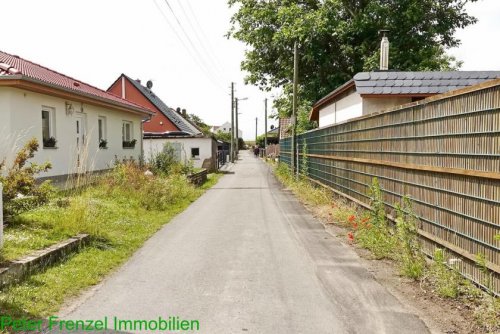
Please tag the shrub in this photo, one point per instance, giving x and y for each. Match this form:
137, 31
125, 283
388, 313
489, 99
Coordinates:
20, 191
166, 162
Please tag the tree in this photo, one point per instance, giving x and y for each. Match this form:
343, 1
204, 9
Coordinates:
205, 128
338, 38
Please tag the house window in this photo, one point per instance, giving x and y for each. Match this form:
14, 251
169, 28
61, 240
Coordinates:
101, 125
195, 152
127, 131
48, 131
127, 135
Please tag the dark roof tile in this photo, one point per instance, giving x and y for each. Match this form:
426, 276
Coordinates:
362, 76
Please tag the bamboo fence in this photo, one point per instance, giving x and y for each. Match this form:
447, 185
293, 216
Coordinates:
442, 152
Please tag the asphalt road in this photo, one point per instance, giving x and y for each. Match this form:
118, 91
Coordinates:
246, 257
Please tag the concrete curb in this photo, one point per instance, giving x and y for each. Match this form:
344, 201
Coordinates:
17, 270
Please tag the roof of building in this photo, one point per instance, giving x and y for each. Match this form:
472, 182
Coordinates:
180, 122
388, 82
15, 67
394, 83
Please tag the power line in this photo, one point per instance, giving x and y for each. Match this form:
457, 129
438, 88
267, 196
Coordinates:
188, 37
200, 65
203, 41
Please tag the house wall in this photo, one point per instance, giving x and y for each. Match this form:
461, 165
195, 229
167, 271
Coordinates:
207, 146
24, 111
159, 122
374, 104
226, 128
346, 108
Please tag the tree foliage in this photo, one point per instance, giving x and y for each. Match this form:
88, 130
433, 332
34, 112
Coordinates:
196, 120
338, 38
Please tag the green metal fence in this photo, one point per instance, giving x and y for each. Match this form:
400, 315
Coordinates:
443, 152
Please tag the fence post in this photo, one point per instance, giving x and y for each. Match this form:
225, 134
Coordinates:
1, 216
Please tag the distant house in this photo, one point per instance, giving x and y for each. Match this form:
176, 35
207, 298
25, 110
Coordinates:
167, 125
226, 128
80, 128
370, 92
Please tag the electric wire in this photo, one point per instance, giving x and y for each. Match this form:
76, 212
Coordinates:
190, 52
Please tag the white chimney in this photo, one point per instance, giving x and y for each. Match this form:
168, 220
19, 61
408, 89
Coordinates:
384, 51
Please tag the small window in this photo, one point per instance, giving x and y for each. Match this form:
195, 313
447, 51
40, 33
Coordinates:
127, 131
127, 135
48, 131
101, 125
195, 152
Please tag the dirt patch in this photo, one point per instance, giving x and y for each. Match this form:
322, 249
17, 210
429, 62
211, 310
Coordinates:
441, 315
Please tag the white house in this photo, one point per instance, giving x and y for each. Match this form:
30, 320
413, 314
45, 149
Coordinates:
199, 150
226, 127
80, 128
370, 92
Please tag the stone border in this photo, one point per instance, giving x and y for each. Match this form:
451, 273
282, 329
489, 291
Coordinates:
17, 270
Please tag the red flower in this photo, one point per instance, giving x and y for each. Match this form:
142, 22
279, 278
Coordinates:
350, 236
352, 218
355, 225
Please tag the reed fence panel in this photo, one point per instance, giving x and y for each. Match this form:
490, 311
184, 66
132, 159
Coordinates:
443, 152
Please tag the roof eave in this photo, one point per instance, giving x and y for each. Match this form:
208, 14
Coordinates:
19, 79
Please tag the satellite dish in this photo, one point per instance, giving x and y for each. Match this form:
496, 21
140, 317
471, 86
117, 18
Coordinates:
272, 127
149, 84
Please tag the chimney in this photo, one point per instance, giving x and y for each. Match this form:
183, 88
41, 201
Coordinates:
178, 110
184, 113
384, 51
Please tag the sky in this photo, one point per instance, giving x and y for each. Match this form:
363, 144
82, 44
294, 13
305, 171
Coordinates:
179, 45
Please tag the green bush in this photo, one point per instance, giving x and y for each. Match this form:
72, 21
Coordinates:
166, 162
20, 190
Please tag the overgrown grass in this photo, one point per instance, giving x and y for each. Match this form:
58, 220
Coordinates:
398, 242
120, 213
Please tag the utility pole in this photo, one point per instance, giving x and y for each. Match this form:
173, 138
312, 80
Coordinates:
232, 124
256, 130
294, 104
265, 126
236, 100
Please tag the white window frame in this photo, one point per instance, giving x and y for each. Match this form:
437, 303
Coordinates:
102, 129
52, 121
131, 132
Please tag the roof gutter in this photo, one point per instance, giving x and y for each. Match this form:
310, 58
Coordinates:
19, 79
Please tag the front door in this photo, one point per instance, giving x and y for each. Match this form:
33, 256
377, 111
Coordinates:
80, 141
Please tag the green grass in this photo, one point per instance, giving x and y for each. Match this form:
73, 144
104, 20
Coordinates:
119, 222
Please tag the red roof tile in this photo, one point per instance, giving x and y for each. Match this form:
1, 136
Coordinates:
14, 65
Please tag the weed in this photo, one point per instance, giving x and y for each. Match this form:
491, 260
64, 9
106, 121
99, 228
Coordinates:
447, 280
379, 237
410, 258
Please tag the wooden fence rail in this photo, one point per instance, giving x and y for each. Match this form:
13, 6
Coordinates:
443, 152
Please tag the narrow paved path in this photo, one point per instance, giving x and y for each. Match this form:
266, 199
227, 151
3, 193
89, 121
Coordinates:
246, 257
